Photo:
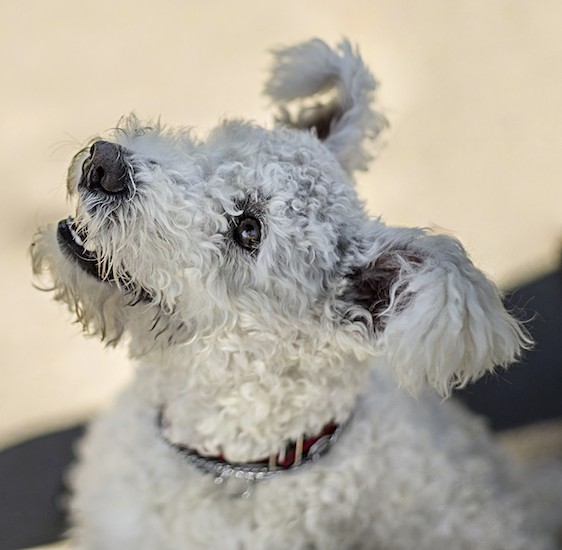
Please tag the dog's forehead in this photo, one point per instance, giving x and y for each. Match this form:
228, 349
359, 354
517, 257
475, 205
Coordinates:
244, 140
243, 155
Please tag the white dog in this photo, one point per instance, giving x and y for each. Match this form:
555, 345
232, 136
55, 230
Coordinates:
279, 333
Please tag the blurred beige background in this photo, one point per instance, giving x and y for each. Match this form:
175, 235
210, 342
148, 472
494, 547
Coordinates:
472, 89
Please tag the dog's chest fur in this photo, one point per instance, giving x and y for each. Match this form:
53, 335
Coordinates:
359, 496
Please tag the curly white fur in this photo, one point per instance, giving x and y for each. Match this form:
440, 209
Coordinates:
247, 350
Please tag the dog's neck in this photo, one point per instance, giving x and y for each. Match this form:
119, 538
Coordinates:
246, 404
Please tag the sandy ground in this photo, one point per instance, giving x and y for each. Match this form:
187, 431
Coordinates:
472, 91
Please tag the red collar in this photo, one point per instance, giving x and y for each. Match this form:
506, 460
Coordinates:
296, 451
296, 454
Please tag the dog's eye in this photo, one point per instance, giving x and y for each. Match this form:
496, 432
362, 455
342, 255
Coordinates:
248, 233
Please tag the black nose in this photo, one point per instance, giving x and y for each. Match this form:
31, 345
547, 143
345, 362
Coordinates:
106, 170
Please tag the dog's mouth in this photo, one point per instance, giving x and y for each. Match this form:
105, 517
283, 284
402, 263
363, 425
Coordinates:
71, 241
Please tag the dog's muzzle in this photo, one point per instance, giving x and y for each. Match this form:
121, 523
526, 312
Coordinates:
107, 175
106, 170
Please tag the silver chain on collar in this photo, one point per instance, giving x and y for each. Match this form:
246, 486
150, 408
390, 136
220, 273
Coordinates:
251, 473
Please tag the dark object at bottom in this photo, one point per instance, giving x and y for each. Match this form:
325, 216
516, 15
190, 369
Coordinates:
530, 391
32, 488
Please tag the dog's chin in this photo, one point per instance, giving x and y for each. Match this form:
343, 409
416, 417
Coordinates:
71, 243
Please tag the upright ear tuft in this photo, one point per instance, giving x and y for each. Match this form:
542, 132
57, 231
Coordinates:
329, 91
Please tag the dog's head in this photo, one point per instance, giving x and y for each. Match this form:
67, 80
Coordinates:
254, 242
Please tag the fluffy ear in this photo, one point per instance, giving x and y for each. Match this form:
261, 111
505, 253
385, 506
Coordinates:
329, 91
438, 318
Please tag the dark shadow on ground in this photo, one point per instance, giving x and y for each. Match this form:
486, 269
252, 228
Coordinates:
530, 391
